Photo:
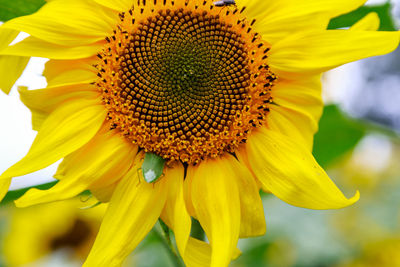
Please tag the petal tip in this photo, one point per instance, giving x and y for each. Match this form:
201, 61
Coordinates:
30, 198
355, 198
20, 203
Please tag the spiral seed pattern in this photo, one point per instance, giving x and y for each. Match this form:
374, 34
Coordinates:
184, 83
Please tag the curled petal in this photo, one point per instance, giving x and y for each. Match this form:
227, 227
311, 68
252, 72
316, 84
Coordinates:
289, 171
319, 51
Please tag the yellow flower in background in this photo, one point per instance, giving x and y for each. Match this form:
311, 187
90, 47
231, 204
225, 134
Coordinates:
382, 253
34, 233
229, 96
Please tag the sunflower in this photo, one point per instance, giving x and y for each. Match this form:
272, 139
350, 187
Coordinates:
384, 252
228, 94
35, 233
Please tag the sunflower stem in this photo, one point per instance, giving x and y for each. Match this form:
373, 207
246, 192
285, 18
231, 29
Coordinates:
166, 238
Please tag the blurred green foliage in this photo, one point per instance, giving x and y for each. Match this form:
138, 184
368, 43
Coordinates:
255, 256
349, 19
337, 135
10, 9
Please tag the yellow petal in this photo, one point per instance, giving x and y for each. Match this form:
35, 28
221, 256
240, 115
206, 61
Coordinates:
370, 22
187, 192
252, 222
118, 5
65, 130
289, 171
73, 77
104, 194
4, 185
10, 66
198, 253
48, 99
42, 102
298, 108
316, 52
74, 24
38, 118
339, 7
7, 36
175, 213
34, 47
133, 210
63, 71
295, 124
215, 198
98, 164
330, 8
275, 20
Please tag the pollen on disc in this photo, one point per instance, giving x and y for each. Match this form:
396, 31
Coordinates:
185, 84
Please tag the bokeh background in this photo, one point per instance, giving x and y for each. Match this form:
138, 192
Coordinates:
358, 144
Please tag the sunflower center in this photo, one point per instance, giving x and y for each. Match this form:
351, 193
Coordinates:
76, 236
182, 82
184, 73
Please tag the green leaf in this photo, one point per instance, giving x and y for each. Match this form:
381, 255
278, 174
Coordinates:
256, 255
152, 167
349, 19
337, 135
197, 231
10, 9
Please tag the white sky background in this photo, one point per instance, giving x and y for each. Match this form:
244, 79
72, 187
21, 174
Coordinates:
16, 134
